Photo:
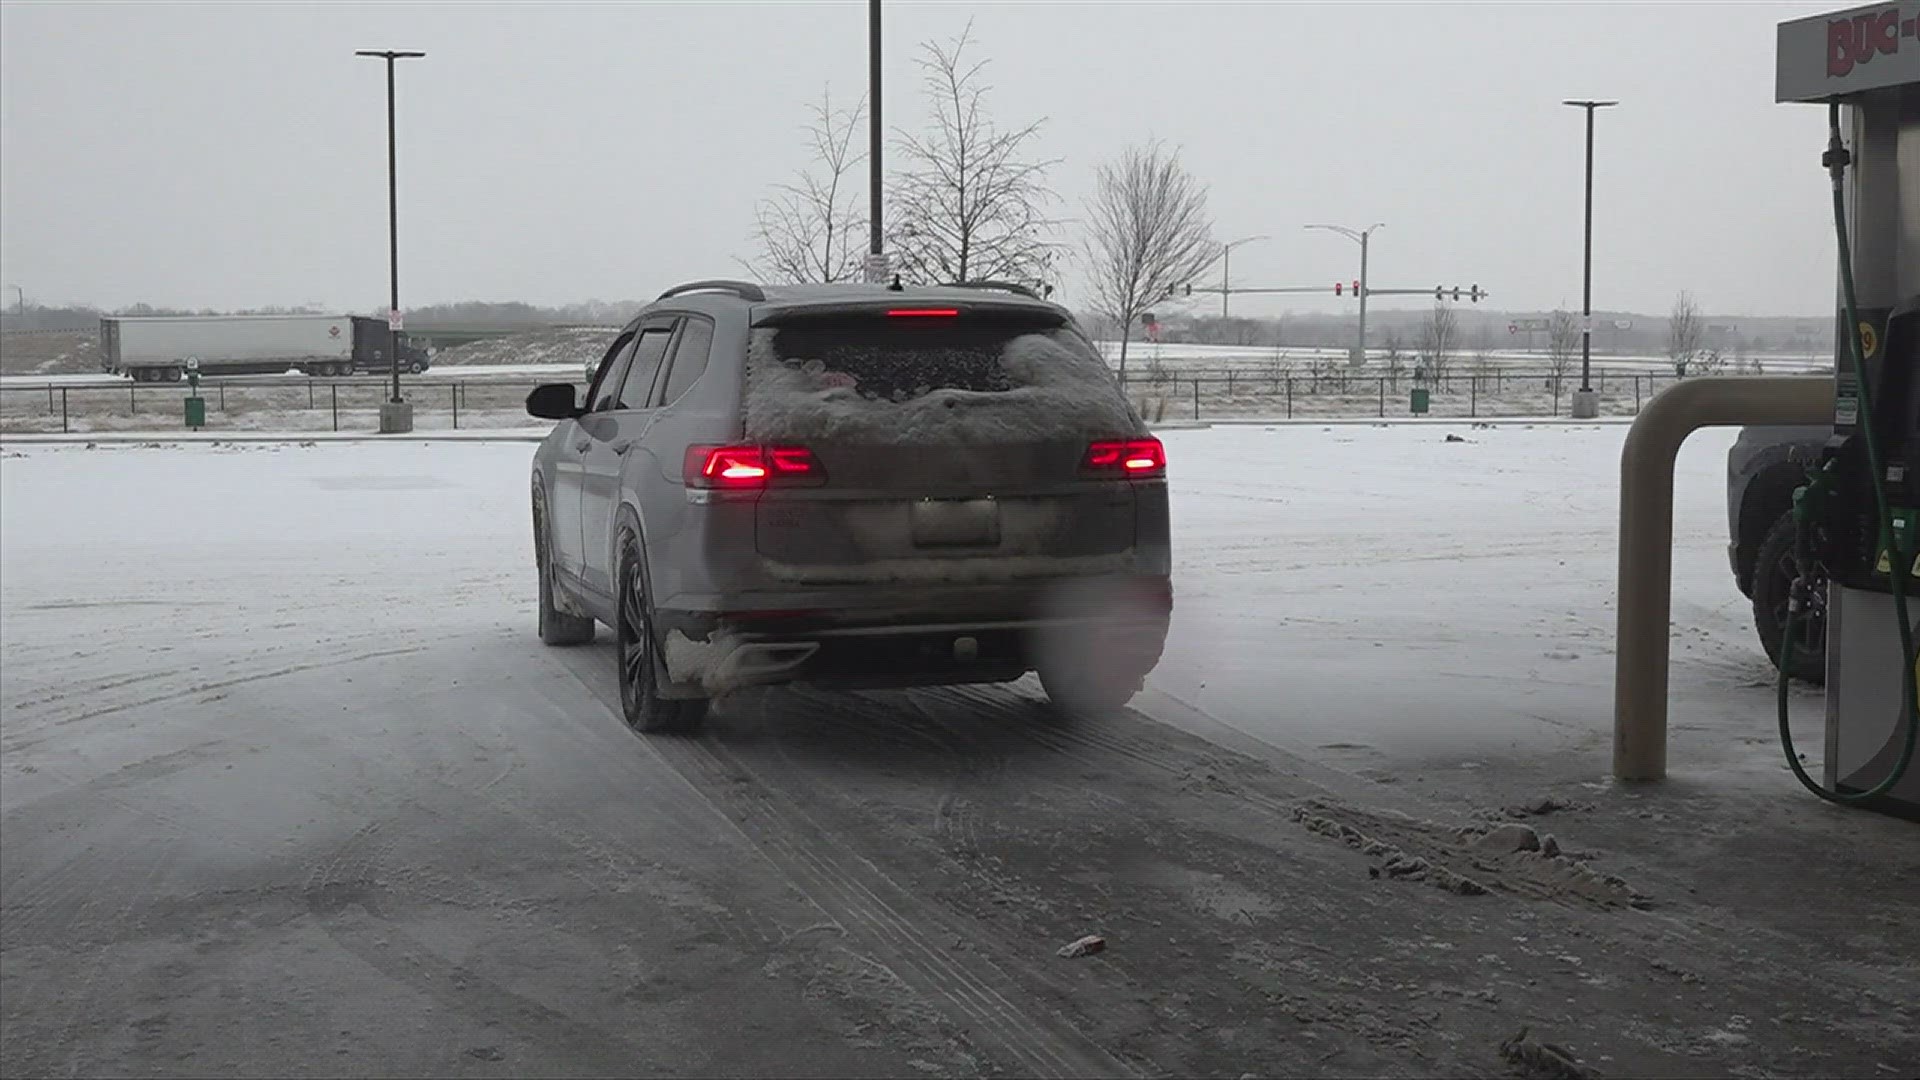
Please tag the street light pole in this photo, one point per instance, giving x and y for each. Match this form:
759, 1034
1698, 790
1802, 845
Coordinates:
1226, 268
1361, 237
1585, 403
875, 238
393, 217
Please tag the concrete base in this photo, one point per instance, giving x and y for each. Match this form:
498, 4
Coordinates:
396, 417
1586, 404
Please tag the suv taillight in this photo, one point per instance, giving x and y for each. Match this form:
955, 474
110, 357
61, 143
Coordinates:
1125, 457
744, 468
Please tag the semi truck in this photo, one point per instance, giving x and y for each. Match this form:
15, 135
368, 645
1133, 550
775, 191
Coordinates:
156, 348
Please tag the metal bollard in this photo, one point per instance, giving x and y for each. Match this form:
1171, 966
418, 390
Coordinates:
63, 409
1196, 399
455, 394
335, 388
1383, 397
132, 405
223, 397
1289, 397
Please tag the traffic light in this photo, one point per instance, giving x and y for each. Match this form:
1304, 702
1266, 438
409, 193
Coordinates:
1477, 294
1439, 292
1356, 288
1337, 286
1456, 292
1189, 288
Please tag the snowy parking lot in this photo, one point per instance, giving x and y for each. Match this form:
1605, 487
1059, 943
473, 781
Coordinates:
289, 786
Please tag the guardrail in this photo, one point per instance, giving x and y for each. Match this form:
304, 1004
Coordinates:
484, 400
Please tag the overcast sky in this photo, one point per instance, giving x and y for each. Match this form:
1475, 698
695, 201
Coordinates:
234, 155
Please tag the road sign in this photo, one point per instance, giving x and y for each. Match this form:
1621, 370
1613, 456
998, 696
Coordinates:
1869, 341
393, 319
876, 267
1528, 326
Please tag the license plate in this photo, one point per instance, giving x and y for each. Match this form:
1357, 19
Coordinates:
956, 523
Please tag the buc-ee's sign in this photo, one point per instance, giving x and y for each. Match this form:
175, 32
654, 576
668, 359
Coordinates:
1848, 52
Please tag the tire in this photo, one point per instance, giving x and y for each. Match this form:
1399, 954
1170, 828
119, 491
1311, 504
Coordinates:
1088, 692
173, 374
416, 367
556, 626
639, 670
1773, 574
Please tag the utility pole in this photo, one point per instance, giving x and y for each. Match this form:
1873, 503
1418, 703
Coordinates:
1358, 236
394, 416
876, 269
1226, 269
1586, 404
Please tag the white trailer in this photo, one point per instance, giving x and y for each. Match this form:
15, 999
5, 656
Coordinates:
154, 348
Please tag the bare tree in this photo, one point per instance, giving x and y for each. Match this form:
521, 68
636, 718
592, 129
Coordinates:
1147, 233
1438, 335
968, 203
1685, 332
810, 229
1563, 341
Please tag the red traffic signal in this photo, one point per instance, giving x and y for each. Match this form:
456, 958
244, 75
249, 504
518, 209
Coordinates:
1337, 286
1356, 288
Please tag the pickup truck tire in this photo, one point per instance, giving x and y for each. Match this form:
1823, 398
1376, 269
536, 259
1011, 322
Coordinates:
1773, 573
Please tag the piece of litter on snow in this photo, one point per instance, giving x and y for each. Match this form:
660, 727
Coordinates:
1543, 1060
1086, 946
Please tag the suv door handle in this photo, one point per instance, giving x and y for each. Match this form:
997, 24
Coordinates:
621, 446
583, 446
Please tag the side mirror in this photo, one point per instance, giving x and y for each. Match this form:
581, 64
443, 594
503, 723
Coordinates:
553, 401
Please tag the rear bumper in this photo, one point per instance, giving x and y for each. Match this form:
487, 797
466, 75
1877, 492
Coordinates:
708, 652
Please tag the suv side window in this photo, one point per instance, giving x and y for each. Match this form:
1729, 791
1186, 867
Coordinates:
612, 370
689, 357
652, 348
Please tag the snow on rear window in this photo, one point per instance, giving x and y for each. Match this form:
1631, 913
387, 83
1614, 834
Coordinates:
884, 387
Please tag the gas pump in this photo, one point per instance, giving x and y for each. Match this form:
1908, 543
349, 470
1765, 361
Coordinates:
1859, 513
196, 406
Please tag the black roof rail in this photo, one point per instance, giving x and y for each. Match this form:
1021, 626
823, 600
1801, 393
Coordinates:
1002, 286
745, 290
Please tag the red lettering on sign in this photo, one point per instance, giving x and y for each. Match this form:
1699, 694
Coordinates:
1859, 39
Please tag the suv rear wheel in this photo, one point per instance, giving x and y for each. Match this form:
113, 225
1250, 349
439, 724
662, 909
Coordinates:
1773, 573
640, 699
1087, 692
556, 626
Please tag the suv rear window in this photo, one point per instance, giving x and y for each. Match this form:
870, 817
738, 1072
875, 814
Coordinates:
930, 382
901, 359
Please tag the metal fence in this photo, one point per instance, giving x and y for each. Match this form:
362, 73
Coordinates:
1269, 394
482, 401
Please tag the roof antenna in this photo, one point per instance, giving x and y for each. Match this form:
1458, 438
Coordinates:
895, 287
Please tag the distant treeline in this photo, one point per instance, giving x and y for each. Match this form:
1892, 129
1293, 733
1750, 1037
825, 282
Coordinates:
1478, 329
504, 315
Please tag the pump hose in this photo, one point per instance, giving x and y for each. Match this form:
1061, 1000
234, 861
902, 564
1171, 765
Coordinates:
1896, 561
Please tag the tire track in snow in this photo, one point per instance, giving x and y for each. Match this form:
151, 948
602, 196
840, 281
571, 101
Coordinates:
886, 921
42, 729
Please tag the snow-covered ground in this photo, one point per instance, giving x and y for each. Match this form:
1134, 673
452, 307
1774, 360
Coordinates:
275, 729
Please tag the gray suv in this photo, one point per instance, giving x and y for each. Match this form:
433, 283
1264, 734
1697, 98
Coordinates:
852, 486
1764, 466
